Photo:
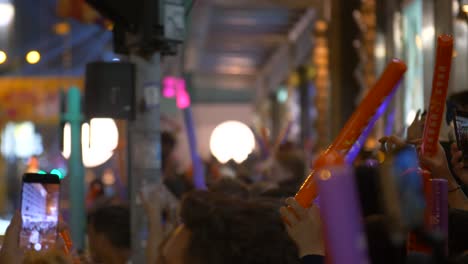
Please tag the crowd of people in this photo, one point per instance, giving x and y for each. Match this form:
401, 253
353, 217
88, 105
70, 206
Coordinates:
249, 213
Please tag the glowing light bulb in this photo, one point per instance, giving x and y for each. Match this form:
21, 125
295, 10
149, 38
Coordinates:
3, 57
33, 57
232, 140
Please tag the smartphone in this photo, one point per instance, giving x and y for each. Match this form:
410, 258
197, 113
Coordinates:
40, 196
461, 133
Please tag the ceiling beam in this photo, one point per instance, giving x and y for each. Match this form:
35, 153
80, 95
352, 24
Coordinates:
221, 95
201, 15
290, 4
243, 41
304, 24
283, 58
226, 81
229, 70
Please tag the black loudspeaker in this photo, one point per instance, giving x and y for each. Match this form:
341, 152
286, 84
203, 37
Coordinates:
110, 90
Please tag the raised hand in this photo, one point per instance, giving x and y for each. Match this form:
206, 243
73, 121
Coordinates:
304, 227
416, 129
11, 253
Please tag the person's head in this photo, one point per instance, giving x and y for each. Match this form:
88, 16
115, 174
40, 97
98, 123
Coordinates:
109, 233
231, 187
168, 142
287, 167
219, 229
262, 188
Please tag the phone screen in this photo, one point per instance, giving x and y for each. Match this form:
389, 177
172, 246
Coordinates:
461, 131
39, 211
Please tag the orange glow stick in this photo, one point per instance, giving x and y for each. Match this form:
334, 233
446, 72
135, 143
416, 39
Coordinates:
356, 123
430, 140
440, 83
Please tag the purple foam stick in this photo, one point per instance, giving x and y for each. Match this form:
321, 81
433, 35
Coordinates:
356, 148
439, 207
346, 241
390, 123
198, 169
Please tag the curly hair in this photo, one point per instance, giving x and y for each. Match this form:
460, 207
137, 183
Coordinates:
231, 187
230, 231
114, 222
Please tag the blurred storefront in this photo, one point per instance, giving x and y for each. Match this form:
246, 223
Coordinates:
29, 118
31, 140
409, 30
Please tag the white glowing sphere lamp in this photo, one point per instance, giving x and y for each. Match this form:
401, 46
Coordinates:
232, 140
98, 141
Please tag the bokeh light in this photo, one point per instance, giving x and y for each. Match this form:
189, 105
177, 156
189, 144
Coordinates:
7, 12
232, 140
33, 57
98, 142
3, 57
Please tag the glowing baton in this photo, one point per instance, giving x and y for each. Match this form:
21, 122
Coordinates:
430, 140
343, 229
356, 148
440, 83
357, 122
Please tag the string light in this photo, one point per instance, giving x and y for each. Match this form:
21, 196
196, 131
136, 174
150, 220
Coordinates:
33, 57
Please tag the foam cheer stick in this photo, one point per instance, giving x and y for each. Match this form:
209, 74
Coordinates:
357, 146
440, 83
343, 229
356, 123
438, 206
436, 216
434, 119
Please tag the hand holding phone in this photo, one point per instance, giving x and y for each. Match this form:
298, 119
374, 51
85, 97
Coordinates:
39, 211
10, 251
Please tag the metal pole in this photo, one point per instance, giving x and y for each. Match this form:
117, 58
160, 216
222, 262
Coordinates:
144, 147
76, 169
